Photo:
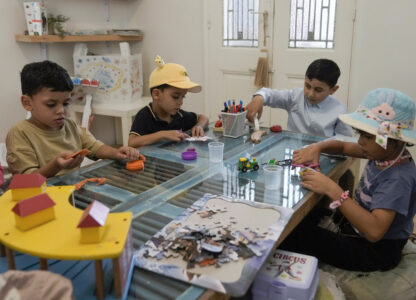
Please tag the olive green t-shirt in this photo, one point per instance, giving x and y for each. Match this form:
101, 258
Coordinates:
30, 148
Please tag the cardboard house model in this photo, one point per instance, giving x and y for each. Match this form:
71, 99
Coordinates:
24, 186
92, 222
34, 211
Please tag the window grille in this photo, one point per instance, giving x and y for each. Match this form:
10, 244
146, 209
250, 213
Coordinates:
312, 24
240, 23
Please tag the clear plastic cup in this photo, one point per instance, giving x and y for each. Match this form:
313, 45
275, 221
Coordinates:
272, 176
216, 151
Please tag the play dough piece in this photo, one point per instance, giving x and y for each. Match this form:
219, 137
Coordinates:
100, 180
135, 165
276, 128
80, 152
189, 154
256, 136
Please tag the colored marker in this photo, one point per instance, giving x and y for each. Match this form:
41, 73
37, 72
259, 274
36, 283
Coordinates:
225, 107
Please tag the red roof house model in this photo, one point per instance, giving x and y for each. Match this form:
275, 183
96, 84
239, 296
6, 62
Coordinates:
27, 181
94, 215
32, 205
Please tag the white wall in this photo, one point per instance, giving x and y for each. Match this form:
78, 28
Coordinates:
13, 59
173, 29
383, 50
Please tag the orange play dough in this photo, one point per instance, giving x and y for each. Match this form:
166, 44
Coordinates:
80, 152
135, 165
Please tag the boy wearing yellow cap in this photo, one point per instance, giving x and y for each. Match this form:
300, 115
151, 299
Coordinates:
164, 118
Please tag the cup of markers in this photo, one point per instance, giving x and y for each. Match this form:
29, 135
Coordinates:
233, 119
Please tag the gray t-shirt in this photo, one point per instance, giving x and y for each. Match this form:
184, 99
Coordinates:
395, 189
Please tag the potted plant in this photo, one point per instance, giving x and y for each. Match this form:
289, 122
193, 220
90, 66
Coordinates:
56, 24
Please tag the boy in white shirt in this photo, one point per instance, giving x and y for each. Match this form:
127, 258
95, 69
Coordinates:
311, 110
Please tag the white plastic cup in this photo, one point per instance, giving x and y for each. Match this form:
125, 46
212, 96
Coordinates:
272, 176
216, 151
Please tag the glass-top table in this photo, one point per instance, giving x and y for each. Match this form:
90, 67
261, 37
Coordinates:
167, 178
168, 185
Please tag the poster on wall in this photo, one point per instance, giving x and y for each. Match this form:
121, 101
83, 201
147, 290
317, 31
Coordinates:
120, 75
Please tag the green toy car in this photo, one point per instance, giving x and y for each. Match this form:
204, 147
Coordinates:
244, 164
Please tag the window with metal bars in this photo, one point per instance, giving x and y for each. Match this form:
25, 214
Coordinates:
312, 24
240, 23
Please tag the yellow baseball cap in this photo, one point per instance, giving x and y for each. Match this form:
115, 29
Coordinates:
173, 74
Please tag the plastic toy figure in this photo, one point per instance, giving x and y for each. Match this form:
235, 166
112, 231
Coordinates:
244, 164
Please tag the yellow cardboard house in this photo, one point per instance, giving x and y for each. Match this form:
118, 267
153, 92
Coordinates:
92, 222
24, 186
34, 211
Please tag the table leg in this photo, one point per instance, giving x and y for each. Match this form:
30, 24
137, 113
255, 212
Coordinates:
43, 264
117, 278
118, 131
348, 179
99, 279
10, 258
125, 129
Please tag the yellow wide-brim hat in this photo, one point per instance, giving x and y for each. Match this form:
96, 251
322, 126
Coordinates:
172, 74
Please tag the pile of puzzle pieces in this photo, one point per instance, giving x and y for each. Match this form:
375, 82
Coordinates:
205, 245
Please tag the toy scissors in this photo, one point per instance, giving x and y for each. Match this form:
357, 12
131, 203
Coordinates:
283, 163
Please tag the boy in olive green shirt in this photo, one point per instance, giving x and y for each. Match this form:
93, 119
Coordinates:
42, 143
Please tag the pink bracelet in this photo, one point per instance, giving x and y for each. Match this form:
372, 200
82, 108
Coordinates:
338, 203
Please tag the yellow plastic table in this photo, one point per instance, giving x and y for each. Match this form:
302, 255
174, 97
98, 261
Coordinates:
60, 238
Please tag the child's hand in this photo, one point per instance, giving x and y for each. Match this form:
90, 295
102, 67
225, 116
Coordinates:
309, 154
197, 131
321, 184
255, 107
128, 153
175, 135
64, 162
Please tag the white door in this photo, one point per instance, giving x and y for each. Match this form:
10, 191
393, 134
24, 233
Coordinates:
290, 63
230, 70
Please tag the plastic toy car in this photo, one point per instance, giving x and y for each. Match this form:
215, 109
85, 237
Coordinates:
244, 164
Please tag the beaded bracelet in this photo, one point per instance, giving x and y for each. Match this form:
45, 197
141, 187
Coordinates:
338, 203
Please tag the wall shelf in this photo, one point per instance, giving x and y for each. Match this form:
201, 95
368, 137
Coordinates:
76, 38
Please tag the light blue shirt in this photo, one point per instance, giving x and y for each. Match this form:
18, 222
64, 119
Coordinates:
319, 119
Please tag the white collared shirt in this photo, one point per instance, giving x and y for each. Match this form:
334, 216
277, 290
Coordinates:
319, 119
